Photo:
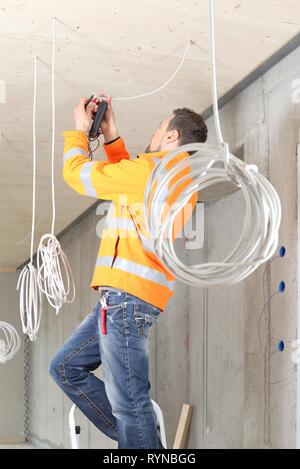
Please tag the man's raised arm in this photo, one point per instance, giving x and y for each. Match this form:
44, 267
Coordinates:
114, 146
104, 180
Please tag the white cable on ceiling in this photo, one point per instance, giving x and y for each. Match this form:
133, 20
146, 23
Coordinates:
9, 342
149, 93
30, 295
55, 276
214, 91
209, 165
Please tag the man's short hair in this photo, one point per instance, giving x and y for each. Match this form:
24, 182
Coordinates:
189, 124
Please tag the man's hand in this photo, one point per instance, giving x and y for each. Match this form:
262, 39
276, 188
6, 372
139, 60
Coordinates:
83, 117
108, 125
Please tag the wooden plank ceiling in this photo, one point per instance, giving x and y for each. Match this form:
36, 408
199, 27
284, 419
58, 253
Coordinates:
123, 48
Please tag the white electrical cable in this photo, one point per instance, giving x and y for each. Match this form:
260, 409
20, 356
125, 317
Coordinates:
54, 273
30, 295
149, 93
55, 276
9, 342
210, 165
30, 301
53, 122
34, 157
214, 92
259, 237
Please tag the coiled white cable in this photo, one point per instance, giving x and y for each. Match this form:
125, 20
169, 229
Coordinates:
55, 276
54, 272
10, 342
30, 295
209, 165
259, 236
30, 301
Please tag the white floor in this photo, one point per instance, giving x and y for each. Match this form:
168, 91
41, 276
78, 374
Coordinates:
16, 446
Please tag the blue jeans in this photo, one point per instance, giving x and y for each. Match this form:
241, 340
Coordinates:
120, 406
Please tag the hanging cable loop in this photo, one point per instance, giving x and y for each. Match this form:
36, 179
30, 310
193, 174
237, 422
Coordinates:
10, 342
30, 301
55, 276
30, 296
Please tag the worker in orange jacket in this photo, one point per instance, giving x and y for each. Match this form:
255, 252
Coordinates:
134, 285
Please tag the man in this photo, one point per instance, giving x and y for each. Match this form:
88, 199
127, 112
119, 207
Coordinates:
134, 285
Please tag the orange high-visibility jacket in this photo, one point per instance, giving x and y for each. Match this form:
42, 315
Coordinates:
126, 258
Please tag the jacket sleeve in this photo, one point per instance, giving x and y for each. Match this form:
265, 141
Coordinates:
116, 151
101, 179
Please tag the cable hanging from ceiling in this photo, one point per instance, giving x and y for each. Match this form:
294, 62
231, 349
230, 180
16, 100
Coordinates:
55, 276
30, 294
209, 165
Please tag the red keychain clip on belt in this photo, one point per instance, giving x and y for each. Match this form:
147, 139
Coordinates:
103, 321
103, 317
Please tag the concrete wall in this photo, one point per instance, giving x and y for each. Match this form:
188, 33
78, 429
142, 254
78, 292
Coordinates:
11, 372
247, 394
205, 348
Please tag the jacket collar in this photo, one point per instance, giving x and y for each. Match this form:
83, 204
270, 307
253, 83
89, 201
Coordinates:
154, 154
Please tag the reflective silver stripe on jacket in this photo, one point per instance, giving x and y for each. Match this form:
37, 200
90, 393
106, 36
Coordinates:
85, 177
74, 152
121, 223
137, 269
126, 224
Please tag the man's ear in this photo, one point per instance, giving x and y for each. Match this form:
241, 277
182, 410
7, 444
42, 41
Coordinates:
173, 136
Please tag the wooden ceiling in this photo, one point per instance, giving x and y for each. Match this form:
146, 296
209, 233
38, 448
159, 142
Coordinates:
123, 48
